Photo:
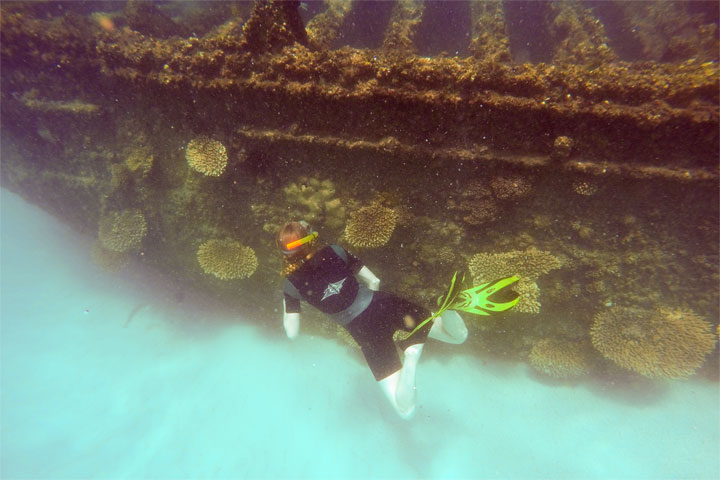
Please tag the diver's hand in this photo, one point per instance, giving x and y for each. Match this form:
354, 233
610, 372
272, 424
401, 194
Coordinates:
291, 322
372, 282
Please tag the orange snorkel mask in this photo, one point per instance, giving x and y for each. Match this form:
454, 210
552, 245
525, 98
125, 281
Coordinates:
292, 246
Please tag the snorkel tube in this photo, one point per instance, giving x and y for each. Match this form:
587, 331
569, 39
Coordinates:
292, 247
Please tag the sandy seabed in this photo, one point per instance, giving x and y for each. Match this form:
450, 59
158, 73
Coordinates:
119, 376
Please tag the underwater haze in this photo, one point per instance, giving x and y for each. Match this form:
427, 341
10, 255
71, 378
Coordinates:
119, 377
151, 151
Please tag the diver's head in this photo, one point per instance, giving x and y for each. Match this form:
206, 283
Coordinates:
295, 239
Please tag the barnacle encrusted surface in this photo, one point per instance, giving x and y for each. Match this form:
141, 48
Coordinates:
122, 230
371, 226
660, 343
227, 259
206, 156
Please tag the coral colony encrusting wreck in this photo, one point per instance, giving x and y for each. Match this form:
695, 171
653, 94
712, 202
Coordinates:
574, 144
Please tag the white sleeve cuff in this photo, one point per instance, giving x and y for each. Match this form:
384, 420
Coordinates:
369, 278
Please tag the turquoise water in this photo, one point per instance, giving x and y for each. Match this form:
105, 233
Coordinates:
184, 389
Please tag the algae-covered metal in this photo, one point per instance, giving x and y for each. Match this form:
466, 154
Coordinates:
585, 133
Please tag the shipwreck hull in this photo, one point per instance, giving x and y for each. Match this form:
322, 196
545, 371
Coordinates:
610, 165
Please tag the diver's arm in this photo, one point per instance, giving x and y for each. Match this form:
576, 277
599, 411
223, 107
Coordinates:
291, 322
369, 278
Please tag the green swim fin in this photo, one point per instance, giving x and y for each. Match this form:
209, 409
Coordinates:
474, 300
478, 299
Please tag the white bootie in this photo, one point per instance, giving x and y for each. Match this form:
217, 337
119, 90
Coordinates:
399, 388
449, 328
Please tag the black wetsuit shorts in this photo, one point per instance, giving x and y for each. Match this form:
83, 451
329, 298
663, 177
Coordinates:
374, 328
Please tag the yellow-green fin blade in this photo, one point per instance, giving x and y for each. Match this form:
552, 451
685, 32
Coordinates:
477, 299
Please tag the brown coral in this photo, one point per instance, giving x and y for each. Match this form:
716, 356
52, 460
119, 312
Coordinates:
476, 203
371, 226
227, 259
661, 343
526, 264
480, 211
316, 201
508, 188
529, 294
123, 230
206, 156
445, 254
530, 263
558, 358
585, 188
139, 160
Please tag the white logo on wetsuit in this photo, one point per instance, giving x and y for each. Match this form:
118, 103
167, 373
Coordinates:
333, 289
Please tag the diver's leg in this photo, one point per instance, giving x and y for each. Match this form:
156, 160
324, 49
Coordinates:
449, 328
399, 387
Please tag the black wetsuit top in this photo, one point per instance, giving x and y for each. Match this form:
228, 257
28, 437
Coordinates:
327, 282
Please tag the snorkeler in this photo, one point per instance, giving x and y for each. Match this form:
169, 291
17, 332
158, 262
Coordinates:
327, 278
